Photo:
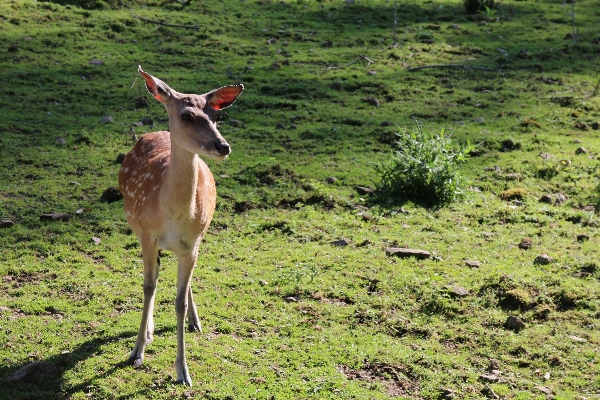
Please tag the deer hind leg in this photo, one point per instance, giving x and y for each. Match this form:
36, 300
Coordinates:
194, 324
146, 332
184, 276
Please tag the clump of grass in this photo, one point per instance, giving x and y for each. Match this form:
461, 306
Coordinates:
424, 169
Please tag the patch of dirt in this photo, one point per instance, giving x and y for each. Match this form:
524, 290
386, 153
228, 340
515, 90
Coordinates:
398, 379
24, 277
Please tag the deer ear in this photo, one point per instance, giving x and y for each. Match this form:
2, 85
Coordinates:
224, 97
157, 88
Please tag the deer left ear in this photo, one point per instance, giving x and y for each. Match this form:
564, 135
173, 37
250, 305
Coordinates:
224, 97
157, 88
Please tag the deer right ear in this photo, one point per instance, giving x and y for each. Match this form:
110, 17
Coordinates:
157, 88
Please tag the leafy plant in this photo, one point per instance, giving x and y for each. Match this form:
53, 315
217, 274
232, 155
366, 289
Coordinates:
423, 169
473, 6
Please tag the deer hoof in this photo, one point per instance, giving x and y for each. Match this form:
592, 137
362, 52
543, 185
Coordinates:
194, 328
184, 382
135, 362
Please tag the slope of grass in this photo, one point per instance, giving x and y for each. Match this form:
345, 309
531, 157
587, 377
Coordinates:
287, 314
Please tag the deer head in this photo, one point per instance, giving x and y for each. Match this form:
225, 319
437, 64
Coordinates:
192, 116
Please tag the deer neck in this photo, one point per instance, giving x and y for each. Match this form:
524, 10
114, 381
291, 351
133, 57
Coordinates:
178, 194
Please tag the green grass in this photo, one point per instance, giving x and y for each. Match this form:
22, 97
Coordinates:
286, 314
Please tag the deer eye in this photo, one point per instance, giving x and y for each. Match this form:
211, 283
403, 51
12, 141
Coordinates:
186, 117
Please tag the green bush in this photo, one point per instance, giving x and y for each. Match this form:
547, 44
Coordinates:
424, 169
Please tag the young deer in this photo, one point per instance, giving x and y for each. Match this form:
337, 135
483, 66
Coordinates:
169, 199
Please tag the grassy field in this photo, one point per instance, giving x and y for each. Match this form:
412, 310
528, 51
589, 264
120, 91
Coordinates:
286, 313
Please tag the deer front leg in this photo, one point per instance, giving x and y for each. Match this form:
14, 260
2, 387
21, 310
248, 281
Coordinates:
184, 276
194, 324
146, 332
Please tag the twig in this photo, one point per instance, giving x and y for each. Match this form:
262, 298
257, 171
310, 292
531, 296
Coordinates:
595, 92
395, 24
353, 62
453, 66
166, 24
575, 31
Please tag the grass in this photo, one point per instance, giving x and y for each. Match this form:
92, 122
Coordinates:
285, 313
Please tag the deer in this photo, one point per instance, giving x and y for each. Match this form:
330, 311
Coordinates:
169, 199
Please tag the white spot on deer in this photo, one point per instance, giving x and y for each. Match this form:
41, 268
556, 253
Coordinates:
155, 187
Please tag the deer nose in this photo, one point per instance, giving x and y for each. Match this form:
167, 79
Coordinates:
223, 148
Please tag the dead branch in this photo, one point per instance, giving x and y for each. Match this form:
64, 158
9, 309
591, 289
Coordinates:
452, 66
195, 27
353, 62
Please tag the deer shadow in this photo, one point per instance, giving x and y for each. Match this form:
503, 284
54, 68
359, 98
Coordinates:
44, 380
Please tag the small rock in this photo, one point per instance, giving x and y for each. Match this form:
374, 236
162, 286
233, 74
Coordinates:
6, 223
406, 253
366, 217
372, 72
96, 61
285, 62
363, 190
272, 41
340, 243
514, 323
111, 195
526, 244
34, 372
556, 198
327, 43
545, 156
293, 126
55, 217
494, 365
96, 240
473, 263
106, 120
560, 198
331, 180
582, 126
595, 125
370, 100
577, 339
280, 126
581, 150
386, 123
263, 282
61, 141
141, 102
489, 377
457, 290
547, 376
479, 120
291, 299
447, 394
454, 26
543, 259
275, 66
544, 390
147, 121
515, 176
120, 158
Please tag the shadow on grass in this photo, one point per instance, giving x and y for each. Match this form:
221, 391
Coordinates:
47, 382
